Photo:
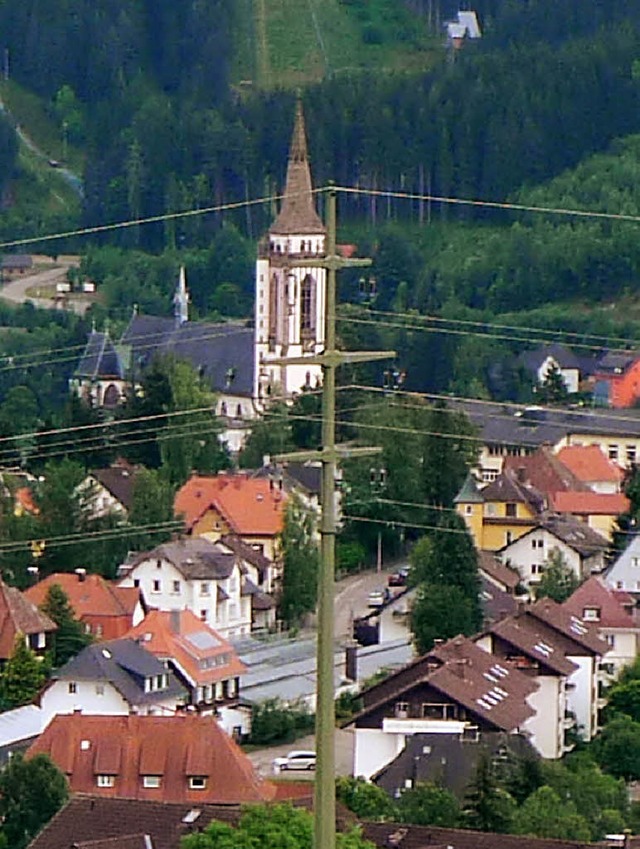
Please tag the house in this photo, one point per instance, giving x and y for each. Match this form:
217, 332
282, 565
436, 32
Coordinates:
617, 379
503, 511
507, 430
582, 549
233, 503
19, 728
455, 689
465, 26
498, 586
15, 265
203, 662
614, 614
597, 510
543, 471
397, 836
18, 615
115, 677
592, 466
260, 579
106, 610
109, 491
181, 758
194, 573
539, 362
624, 573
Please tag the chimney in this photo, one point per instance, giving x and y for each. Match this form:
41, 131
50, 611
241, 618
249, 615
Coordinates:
174, 618
82, 574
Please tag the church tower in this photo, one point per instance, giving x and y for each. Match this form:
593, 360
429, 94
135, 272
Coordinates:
181, 300
290, 301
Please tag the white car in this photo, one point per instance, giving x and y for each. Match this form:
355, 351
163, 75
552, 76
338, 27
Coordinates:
299, 759
376, 598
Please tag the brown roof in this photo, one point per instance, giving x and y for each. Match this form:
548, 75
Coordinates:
184, 745
494, 568
18, 615
467, 675
119, 480
396, 836
246, 552
613, 607
544, 471
250, 506
134, 841
506, 487
555, 615
536, 643
199, 651
298, 213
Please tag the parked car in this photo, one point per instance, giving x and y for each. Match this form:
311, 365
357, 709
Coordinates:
397, 579
376, 598
299, 759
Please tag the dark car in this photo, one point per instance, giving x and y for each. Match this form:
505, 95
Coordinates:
399, 578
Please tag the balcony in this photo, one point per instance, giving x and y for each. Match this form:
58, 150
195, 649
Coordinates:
414, 725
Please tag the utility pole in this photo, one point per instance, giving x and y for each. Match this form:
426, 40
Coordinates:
330, 453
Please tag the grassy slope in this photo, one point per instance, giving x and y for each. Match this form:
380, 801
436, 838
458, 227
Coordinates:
289, 43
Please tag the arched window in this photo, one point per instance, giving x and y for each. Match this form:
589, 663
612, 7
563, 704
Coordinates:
239, 411
307, 306
223, 408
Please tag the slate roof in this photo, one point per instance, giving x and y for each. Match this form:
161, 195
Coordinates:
246, 552
614, 607
532, 426
124, 664
197, 650
573, 532
590, 503
532, 360
17, 261
590, 464
196, 558
172, 747
298, 214
18, 615
616, 362
469, 494
89, 595
100, 359
222, 353
250, 506
467, 675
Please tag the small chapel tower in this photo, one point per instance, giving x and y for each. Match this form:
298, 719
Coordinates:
181, 300
290, 301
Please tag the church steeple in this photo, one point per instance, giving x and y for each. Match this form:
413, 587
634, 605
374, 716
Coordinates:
298, 213
181, 300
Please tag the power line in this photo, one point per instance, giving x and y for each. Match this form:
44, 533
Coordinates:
96, 536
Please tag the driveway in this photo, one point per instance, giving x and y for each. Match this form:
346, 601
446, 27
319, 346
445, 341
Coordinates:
262, 759
20, 290
352, 594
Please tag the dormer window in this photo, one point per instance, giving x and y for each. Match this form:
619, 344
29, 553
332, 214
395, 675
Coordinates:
591, 614
151, 782
105, 780
510, 510
197, 782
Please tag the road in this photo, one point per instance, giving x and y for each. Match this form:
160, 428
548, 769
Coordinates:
351, 597
263, 758
16, 290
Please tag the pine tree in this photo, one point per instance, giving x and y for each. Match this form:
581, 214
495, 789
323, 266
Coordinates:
70, 638
300, 570
487, 807
23, 676
31, 792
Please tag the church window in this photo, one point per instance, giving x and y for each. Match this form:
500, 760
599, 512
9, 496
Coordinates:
239, 411
223, 408
306, 313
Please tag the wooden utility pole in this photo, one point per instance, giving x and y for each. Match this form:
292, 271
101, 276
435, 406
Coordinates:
330, 453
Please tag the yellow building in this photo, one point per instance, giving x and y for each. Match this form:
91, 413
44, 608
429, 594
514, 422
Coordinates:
499, 514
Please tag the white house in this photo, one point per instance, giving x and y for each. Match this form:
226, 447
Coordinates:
582, 549
197, 575
624, 574
114, 677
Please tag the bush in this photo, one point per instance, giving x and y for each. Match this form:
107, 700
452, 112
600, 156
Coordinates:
372, 34
273, 722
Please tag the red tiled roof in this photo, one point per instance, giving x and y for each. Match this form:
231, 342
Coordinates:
250, 506
612, 606
553, 614
589, 463
590, 503
543, 471
92, 596
112, 745
19, 616
191, 643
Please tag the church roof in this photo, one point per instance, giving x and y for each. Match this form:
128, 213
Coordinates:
100, 358
298, 213
221, 353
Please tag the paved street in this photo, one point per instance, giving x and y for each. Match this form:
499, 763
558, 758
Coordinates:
20, 290
263, 759
351, 596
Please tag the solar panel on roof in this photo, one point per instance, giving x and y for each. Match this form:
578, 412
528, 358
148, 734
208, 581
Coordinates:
203, 640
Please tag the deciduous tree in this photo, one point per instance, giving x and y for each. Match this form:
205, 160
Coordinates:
31, 792
300, 563
22, 677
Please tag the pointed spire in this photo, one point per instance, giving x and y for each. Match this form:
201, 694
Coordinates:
298, 213
181, 299
469, 494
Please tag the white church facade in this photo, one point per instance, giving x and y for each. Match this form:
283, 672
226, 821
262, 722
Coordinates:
237, 362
